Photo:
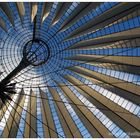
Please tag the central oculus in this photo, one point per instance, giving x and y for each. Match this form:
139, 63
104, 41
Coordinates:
36, 52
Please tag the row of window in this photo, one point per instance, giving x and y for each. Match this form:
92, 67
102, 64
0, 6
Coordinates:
131, 51
112, 127
39, 115
56, 120
82, 129
88, 17
20, 133
124, 103
115, 28
119, 75
128, 77
49, 18
7, 114
56, 27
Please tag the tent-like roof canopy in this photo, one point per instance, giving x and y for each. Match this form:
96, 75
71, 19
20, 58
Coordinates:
69, 69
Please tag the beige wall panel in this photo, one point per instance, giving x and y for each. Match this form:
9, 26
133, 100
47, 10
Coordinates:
129, 34
134, 61
97, 124
33, 120
34, 7
48, 115
117, 12
126, 115
109, 113
10, 120
2, 24
6, 9
107, 79
45, 121
17, 117
73, 130
45, 11
21, 9
27, 127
